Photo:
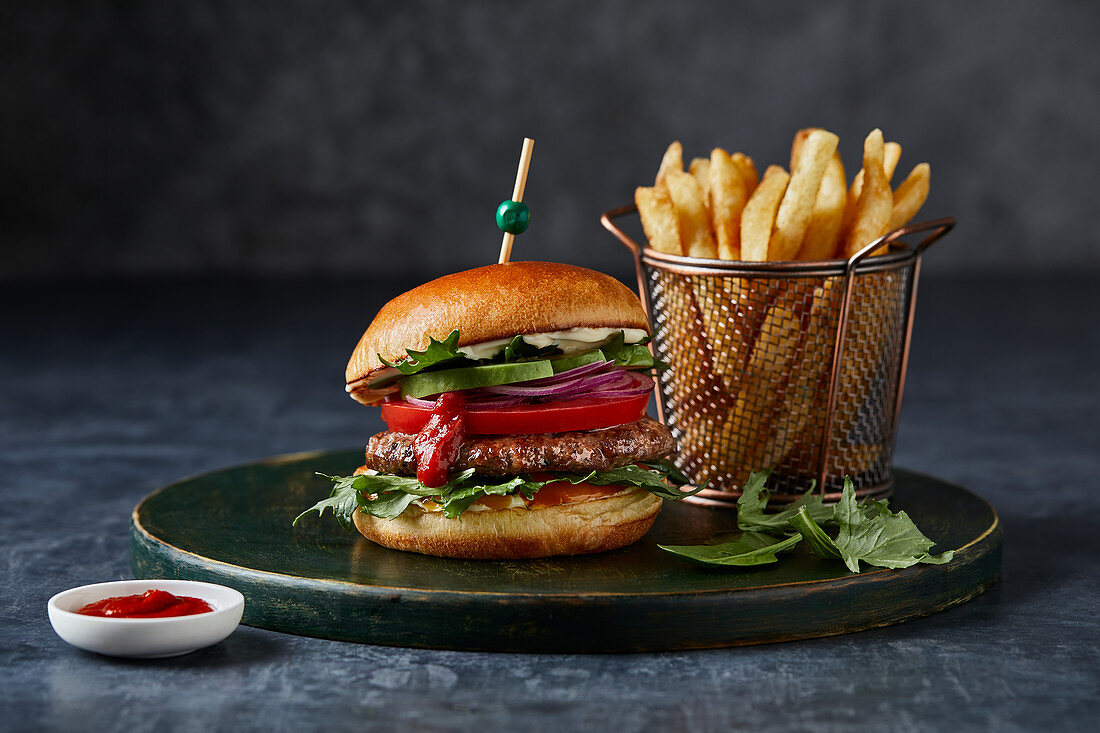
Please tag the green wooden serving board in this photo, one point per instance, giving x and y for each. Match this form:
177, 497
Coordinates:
233, 527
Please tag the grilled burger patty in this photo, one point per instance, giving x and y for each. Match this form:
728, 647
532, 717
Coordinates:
509, 455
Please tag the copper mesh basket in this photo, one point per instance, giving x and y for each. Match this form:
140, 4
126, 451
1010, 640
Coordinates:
794, 366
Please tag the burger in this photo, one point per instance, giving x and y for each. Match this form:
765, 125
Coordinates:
515, 400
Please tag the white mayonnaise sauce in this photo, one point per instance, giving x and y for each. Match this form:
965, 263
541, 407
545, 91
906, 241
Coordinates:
570, 341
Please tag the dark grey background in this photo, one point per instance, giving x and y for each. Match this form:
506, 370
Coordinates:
179, 138
208, 167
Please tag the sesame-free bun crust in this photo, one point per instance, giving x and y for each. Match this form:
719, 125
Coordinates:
495, 302
579, 528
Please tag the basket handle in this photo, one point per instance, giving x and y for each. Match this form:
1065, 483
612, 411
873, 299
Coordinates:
636, 250
606, 219
938, 227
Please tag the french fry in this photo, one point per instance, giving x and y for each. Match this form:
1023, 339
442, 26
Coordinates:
891, 154
747, 168
758, 218
729, 324
793, 217
801, 395
728, 195
827, 218
688, 199
700, 169
807, 442
876, 200
672, 161
767, 370
910, 196
659, 219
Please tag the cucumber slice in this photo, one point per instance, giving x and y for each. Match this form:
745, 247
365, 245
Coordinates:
490, 375
566, 363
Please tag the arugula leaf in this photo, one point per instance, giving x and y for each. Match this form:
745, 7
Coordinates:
381, 496
821, 543
387, 505
445, 353
877, 536
868, 532
438, 352
518, 349
669, 469
386, 496
631, 356
460, 498
652, 480
751, 548
754, 499
343, 501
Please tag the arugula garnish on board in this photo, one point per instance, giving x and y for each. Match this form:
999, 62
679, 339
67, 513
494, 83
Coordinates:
386, 496
867, 532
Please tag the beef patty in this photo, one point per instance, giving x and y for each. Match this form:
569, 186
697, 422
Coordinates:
508, 455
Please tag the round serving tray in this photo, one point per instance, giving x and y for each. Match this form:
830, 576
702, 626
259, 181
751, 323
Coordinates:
233, 527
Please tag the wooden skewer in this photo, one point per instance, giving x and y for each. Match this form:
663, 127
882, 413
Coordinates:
517, 195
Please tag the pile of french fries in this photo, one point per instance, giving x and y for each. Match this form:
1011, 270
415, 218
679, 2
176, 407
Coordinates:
751, 356
721, 209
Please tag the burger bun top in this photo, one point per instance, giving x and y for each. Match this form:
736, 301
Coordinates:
495, 302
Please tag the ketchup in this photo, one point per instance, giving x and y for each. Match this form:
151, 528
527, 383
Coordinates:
150, 604
439, 441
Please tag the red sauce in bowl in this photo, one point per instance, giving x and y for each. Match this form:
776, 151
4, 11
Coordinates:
150, 604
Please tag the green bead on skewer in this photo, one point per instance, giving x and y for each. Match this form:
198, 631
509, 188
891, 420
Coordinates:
513, 217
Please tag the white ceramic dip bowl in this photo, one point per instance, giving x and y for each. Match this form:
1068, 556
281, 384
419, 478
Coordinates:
145, 638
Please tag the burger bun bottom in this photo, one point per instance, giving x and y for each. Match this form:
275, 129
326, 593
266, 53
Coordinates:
578, 528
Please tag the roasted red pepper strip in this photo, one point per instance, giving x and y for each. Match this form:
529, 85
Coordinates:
439, 441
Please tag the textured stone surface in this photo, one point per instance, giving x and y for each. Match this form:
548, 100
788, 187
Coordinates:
109, 391
352, 138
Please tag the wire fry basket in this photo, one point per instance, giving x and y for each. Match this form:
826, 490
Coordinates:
794, 366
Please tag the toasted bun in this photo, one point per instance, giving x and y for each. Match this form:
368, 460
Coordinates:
595, 525
495, 302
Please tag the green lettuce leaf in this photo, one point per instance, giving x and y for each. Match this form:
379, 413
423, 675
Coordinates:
754, 500
751, 548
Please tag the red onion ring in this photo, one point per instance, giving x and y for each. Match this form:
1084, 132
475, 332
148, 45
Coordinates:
591, 383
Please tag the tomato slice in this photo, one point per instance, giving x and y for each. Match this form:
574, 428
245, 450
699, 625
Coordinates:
550, 417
